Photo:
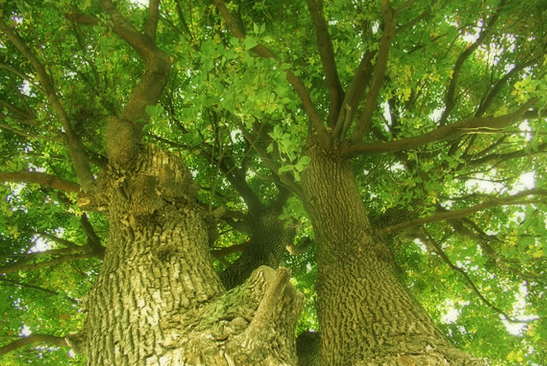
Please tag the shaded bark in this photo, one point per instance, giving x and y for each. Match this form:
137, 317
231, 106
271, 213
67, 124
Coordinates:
308, 348
158, 300
266, 247
366, 315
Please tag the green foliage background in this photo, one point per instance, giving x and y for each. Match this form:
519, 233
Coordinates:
219, 90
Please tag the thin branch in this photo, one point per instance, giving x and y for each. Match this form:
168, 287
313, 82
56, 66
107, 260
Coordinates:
517, 199
31, 267
26, 117
500, 157
445, 258
223, 252
26, 257
82, 18
284, 178
413, 22
326, 51
33, 338
93, 240
443, 133
182, 20
24, 77
28, 135
449, 99
492, 93
460, 226
297, 84
151, 26
379, 71
73, 144
354, 94
301, 249
43, 179
66, 243
38, 288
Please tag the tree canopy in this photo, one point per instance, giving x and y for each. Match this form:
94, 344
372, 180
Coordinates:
436, 106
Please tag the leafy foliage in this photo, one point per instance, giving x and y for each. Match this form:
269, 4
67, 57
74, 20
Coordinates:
228, 108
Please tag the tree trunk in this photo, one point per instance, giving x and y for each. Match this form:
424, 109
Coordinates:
366, 315
158, 300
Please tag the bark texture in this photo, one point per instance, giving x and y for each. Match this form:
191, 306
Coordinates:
158, 300
366, 315
157, 261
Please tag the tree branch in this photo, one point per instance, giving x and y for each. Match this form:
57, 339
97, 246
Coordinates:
449, 99
82, 18
24, 77
152, 83
33, 338
499, 157
450, 132
31, 267
284, 178
73, 144
43, 179
354, 94
28, 135
38, 288
153, 17
324, 44
516, 199
297, 84
26, 117
379, 71
301, 249
445, 258
223, 252
66, 243
492, 93
93, 240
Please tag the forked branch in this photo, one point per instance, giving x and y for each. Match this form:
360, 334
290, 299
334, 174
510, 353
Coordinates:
379, 71
326, 51
155, 77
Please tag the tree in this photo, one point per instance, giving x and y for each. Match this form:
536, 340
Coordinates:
159, 159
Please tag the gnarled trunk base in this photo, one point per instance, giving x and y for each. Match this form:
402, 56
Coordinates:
159, 301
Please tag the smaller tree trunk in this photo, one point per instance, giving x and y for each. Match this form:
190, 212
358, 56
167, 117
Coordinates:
366, 315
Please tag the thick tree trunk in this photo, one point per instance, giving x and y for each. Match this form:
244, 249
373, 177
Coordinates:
366, 315
158, 300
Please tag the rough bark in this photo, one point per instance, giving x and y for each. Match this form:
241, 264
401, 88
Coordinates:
158, 300
366, 315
